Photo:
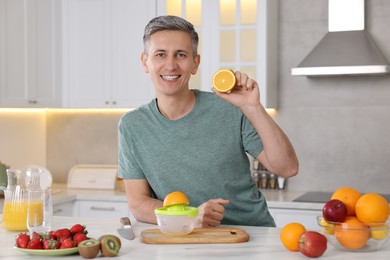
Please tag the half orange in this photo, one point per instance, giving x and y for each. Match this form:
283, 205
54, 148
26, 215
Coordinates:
176, 198
224, 80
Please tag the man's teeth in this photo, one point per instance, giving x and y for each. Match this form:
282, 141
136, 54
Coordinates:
170, 77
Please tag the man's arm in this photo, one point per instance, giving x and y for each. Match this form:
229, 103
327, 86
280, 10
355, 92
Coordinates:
139, 198
278, 155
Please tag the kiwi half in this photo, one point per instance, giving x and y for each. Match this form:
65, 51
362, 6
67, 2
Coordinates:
89, 248
109, 245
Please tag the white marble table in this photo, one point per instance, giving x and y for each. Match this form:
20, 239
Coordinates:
264, 243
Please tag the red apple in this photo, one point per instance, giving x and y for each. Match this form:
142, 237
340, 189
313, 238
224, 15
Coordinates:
312, 244
334, 210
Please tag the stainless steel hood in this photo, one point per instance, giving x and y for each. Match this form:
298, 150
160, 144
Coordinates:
347, 48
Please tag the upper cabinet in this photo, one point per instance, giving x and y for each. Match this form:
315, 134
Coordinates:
236, 34
102, 45
27, 54
86, 53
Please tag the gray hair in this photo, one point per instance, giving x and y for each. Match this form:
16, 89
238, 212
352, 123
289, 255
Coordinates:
170, 23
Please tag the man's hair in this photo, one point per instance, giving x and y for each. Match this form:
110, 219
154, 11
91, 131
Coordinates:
170, 23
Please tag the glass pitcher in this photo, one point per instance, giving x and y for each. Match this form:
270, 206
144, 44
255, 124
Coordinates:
16, 197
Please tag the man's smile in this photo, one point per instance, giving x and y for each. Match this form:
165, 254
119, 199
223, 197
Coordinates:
170, 77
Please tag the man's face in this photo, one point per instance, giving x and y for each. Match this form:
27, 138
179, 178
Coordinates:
170, 61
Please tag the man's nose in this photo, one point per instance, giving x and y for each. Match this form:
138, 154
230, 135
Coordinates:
170, 63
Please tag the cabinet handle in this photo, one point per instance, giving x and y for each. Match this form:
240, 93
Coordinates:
103, 209
114, 102
32, 102
57, 211
107, 102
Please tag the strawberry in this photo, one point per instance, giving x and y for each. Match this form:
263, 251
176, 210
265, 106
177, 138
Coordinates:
77, 228
22, 240
78, 237
50, 244
67, 243
50, 234
62, 233
35, 243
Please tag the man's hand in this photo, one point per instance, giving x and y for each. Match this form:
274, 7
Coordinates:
246, 92
211, 213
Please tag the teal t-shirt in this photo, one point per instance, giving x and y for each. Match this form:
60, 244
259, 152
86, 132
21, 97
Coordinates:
202, 154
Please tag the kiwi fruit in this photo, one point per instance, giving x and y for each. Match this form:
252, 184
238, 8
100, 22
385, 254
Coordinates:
89, 248
109, 245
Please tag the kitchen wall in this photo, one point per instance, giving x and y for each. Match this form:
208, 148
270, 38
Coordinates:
340, 126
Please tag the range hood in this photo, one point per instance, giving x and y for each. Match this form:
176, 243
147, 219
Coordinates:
347, 49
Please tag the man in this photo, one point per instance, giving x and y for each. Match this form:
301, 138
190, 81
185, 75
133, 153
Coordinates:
196, 141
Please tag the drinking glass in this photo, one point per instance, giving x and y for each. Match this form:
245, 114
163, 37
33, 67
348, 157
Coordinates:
39, 211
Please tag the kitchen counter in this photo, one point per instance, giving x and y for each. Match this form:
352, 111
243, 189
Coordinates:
281, 199
264, 243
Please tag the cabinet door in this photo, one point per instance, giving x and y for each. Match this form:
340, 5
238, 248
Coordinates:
64, 209
87, 208
102, 45
27, 54
235, 34
308, 218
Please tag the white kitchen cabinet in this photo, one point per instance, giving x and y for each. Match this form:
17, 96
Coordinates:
64, 209
94, 208
236, 34
102, 45
308, 218
28, 33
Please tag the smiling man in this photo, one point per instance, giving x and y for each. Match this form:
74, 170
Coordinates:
196, 141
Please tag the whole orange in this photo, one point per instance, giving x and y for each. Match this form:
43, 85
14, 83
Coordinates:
352, 234
289, 235
349, 196
372, 208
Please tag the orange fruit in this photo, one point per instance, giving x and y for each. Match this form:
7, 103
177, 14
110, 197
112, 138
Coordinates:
352, 234
349, 196
289, 235
372, 208
224, 80
176, 198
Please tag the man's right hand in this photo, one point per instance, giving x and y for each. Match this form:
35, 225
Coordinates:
211, 213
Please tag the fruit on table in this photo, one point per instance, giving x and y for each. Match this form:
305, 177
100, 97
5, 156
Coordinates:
109, 245
328, 228
379, 231
22, 240
349, 196
176, 198
312, 244
352, 233
334, 211
290, 234
56, 239
89, 248
224, 80
372, 208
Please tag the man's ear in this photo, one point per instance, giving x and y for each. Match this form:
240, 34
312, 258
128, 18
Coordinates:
144, 58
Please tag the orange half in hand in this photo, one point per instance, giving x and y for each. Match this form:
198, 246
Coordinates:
224, 80
176, 198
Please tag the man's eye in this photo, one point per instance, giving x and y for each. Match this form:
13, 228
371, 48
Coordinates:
181, 55
160, 55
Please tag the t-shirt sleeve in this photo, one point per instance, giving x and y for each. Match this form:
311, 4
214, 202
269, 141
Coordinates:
128, 167
251, 140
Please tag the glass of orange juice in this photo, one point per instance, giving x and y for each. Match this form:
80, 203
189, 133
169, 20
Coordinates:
39, 211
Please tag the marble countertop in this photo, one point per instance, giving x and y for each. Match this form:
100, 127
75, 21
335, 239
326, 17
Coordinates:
264, 243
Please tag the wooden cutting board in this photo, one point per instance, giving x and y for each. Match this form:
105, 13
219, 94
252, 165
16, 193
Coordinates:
197, 236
